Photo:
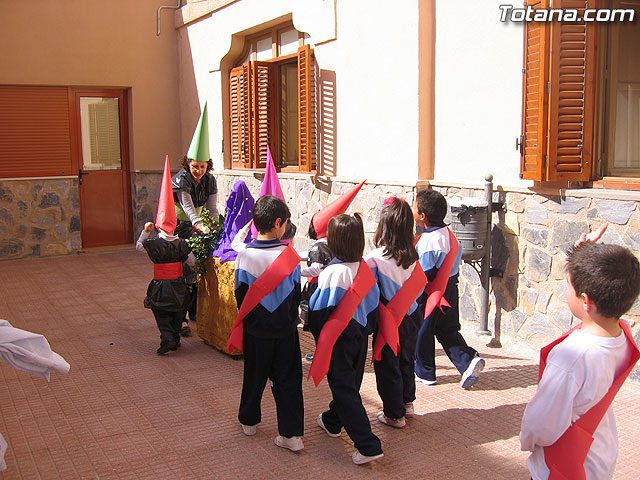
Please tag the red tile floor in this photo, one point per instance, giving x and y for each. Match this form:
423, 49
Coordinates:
123, 412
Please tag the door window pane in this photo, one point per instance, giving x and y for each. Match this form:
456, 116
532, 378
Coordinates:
100, 127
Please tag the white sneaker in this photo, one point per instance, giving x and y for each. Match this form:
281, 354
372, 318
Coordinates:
426, 382
360, 459
392, 422
471, 374
409, 410
248, 430
294, 443
321, 425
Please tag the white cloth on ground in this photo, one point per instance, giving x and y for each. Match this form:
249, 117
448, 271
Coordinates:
29, 352
3, 449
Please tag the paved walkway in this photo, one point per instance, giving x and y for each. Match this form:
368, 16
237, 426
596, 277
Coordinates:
123, 412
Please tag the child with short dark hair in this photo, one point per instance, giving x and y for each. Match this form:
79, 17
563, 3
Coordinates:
342, 313
266, 326
436, 247
401, 282
584, 368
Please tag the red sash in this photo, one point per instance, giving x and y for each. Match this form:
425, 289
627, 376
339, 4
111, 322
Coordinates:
338, 321
167, 271
435, 289
565, 458
266, 283
392, 314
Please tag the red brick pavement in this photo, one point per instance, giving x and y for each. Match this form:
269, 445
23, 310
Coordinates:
123, 412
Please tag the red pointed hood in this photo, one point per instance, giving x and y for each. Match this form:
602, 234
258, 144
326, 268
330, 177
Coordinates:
166, 216
321, 219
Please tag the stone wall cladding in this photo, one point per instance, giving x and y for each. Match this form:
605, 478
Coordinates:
39, 217
145, 191
42, 217
528, 243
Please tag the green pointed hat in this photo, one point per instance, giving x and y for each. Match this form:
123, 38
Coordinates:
199, 148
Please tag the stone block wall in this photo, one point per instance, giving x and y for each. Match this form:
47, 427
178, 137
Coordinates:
39, 217
529, 238
145, 191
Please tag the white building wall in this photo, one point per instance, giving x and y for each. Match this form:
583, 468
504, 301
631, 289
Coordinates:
374, 55
478, 94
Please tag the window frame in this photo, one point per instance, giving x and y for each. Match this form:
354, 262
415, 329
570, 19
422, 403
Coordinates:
564, 92
247, 121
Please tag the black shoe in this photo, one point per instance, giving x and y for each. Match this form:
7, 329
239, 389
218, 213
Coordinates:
186, 330
175, 347
163, 349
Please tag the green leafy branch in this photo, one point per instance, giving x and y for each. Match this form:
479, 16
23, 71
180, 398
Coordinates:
203, 244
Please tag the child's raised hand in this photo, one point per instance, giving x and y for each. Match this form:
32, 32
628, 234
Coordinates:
203, 228
592, 236
148, 227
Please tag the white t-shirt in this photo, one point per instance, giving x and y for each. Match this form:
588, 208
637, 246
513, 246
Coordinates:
579, 372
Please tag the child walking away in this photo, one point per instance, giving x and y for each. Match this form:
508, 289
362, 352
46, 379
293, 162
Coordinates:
569, 424
439, 254
267, 288
167, 294
319, 254
401, 282
343, 311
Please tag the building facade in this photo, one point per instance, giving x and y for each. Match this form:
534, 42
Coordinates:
411, 95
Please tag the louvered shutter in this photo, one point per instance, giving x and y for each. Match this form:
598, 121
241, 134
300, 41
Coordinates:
534, 110
240, 116
571, 96
307, 105
35, 133
263, 112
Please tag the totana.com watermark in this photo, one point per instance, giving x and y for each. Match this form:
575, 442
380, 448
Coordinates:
509, 13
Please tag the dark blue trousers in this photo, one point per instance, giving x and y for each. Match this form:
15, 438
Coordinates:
394, 374
346, 410
445, 327
279, 360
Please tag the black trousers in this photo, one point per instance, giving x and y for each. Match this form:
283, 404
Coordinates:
192, 308
346, 410
279, 360
395, 374
446, 328
169, 324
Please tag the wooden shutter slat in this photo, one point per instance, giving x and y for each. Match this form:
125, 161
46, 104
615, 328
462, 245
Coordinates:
263, 114
35, 133
307, 127
533, 96
240, 117
572, 77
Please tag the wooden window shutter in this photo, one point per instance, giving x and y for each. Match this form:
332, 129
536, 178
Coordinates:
307, 125
534, 110
35, 132
263, 112
571, 96
240, 116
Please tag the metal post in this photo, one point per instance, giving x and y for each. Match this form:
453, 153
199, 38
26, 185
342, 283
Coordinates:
486, 261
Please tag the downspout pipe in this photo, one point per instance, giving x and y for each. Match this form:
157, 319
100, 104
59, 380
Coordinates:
158, 14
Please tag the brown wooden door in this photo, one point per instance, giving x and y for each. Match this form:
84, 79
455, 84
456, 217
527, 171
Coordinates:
100, 147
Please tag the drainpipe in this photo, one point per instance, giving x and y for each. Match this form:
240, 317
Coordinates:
158, 14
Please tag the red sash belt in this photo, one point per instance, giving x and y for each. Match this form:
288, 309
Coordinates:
392, 314
266, 283
435, 289
338, 321
565, 458
167, 271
